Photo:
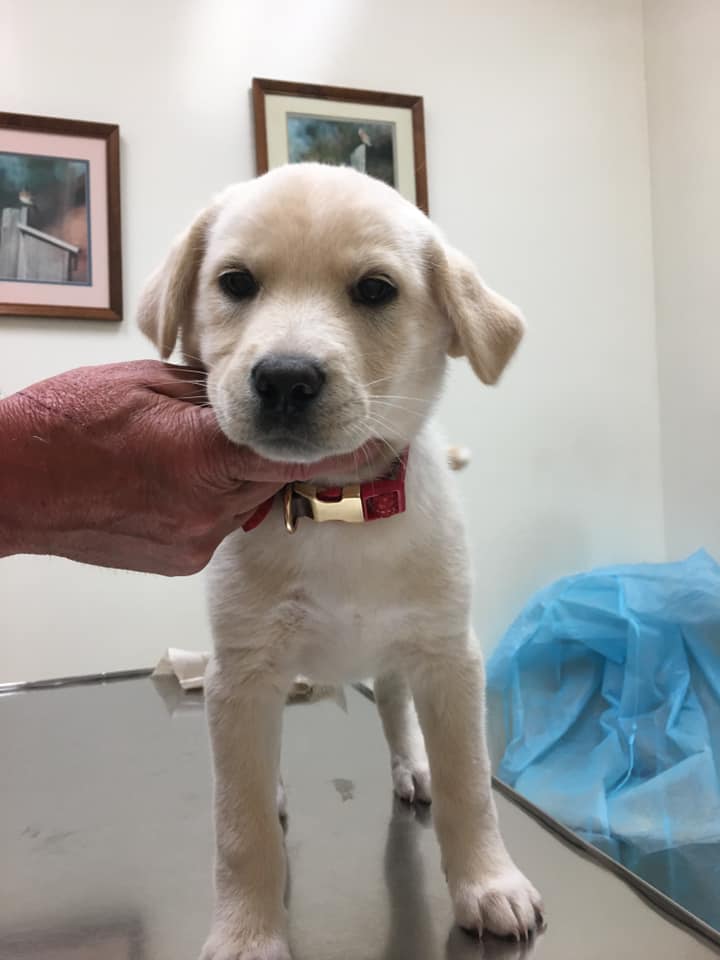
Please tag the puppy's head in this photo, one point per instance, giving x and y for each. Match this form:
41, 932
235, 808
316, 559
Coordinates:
323, 306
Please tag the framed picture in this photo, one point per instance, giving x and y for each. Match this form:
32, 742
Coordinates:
381, 134
59, 218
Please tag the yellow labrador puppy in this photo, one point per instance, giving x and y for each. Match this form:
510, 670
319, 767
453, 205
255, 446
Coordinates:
323, 306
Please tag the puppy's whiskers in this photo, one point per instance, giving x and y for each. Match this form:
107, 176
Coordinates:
398, 396
374, 422
194, 357
391, 405
394, 376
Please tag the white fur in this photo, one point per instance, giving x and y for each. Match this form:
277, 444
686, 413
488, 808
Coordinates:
337, 602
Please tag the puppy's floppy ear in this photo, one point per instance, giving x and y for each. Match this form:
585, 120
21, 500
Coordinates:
486, 328
166, 303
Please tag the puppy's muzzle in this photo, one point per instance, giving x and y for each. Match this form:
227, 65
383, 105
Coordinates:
287, 386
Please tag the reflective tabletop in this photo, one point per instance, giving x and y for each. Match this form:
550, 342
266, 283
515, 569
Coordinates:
106, 843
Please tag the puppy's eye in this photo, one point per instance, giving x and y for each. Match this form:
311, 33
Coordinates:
239, 284
374, 291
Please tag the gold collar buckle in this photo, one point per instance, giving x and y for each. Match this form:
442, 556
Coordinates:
347, 509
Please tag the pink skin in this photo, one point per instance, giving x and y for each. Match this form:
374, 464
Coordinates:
125, 466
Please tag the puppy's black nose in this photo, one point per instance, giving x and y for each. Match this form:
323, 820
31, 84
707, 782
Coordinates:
287, 383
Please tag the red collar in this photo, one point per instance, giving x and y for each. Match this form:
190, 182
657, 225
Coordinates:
355, 503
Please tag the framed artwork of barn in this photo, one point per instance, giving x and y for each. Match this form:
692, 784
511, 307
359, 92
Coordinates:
381, 134
60, 252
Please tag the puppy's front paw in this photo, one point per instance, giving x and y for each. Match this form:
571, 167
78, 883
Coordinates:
504, 902
411, 779
219, 947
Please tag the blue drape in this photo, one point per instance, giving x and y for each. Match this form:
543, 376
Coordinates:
609, 685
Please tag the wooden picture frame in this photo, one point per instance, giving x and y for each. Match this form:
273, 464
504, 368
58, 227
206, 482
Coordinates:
60, 238
296, 121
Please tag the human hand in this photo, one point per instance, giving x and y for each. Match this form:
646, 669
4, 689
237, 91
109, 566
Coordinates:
124, 466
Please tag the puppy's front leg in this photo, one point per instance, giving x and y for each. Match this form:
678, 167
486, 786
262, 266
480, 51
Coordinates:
488, 890
244, 709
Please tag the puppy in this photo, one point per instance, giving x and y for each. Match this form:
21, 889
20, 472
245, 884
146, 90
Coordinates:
324, 306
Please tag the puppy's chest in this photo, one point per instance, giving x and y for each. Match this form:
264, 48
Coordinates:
353, 581
342, 628
349, 592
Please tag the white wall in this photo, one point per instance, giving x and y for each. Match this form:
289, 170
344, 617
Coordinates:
683, 85
537, 156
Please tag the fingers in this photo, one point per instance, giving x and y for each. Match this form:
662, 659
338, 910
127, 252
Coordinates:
244, 464
247, 465
347, 463
243, 504
241, 463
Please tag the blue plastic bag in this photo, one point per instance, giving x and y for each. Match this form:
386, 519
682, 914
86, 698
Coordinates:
609, 686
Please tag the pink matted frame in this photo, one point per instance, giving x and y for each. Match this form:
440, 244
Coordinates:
99, 144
